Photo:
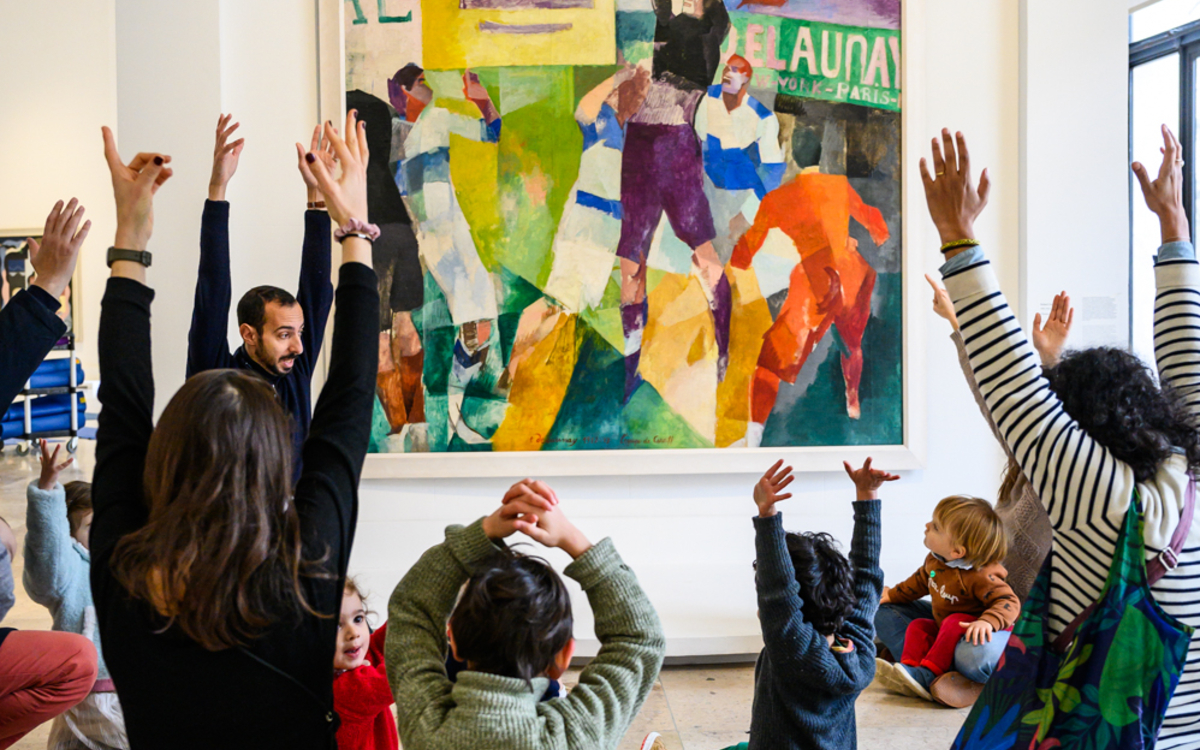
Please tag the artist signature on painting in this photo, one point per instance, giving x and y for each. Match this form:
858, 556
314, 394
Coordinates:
661, 441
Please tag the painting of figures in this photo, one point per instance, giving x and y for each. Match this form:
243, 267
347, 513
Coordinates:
633, 224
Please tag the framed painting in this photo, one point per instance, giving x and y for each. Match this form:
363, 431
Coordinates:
17, 274
635, 236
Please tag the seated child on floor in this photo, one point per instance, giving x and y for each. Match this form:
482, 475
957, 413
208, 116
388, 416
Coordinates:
970, 606
58, 577
816, 609
361, 694
513, 628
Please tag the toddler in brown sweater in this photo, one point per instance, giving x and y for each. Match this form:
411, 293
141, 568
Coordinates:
970, 603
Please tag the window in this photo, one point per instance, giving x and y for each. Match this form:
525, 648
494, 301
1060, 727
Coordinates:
1164, 72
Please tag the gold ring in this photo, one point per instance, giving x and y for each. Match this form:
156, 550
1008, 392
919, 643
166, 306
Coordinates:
938, 174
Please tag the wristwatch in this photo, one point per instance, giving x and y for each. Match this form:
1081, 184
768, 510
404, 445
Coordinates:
137, 256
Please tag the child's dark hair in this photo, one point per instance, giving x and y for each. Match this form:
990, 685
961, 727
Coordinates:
826, 583
79, 502
513, 617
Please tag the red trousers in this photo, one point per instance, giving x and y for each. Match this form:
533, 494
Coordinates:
927, 645
42, 674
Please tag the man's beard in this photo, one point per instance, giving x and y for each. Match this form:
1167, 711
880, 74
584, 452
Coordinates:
274, 367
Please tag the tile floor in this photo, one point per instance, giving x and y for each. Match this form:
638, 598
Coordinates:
694, 707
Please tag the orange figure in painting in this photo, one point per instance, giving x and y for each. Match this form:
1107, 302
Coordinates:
830, 286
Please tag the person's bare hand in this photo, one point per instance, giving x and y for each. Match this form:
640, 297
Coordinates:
769, 489
886, 596
225, 158
1051, 338
533, 487
346, 196
477, 93
51, 468
134, 186
322, 149
1164, 194
941, 302
867, 480
552, 528
518, 510
53, 259
978, 632
954, 201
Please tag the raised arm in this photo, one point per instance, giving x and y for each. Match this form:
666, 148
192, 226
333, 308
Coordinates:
327, 493
864, 551
208, 342
1177, 276
50, 562
29, 327
126, 370
1079, 481
315, 294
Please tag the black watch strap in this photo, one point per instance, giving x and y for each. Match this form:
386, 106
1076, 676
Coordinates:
137, 256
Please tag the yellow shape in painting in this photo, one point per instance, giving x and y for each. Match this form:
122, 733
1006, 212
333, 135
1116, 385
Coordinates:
750, 320
458, 34
538, 390
679, 354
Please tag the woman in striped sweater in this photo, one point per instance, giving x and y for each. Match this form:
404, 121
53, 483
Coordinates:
1095, 427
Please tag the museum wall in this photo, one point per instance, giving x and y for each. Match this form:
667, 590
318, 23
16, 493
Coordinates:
163, 71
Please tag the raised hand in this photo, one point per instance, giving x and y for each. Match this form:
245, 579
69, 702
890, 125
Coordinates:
518, 511
134, 186
346, 196
1164, 194
323, 151
941, 303
50, 467
53, 259
867, 480
769, 489
477, 93
225, 158
1050, 339
954, 201
978, 632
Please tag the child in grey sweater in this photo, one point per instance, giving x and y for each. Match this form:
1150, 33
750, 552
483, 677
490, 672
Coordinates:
57, 576
513, 628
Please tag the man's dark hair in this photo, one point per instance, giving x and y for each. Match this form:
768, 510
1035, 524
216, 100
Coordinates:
252, 309
513, 617
1113, 397
408, 75
826, 583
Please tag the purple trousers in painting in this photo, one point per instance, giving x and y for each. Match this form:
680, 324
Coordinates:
662, 170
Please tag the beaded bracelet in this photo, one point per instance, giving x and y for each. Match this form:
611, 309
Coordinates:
316, 205
959, 243
357, 228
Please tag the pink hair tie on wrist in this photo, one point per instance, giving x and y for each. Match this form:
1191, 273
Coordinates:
357, 228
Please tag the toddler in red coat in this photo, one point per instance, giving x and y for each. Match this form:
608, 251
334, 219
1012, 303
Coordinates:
361, 694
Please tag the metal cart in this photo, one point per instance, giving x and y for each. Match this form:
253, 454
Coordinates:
29, 439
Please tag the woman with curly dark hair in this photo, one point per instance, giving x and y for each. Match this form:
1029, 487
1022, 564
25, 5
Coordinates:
1095, 431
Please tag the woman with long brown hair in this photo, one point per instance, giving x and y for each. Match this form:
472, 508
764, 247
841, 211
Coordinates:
217, 582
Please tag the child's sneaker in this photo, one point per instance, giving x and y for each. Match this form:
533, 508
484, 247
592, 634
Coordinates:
955, 691
896, 678
653, 741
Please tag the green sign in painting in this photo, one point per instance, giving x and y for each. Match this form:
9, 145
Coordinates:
820, 61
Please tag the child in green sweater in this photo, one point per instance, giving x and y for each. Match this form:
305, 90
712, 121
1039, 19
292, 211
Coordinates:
513, 628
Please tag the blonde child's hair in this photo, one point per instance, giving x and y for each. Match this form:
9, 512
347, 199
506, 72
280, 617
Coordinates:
973, 523
352, 587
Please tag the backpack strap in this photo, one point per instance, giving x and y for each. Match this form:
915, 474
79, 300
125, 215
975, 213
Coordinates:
1166, 561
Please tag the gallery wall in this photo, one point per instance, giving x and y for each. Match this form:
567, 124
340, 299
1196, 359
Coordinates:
163, 71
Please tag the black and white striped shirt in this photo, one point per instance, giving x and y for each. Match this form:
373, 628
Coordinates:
1085, 489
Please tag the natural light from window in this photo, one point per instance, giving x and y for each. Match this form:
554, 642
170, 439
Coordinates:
1164, 15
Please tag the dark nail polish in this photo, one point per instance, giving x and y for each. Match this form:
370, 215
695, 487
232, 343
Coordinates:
158, 161
309, 158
